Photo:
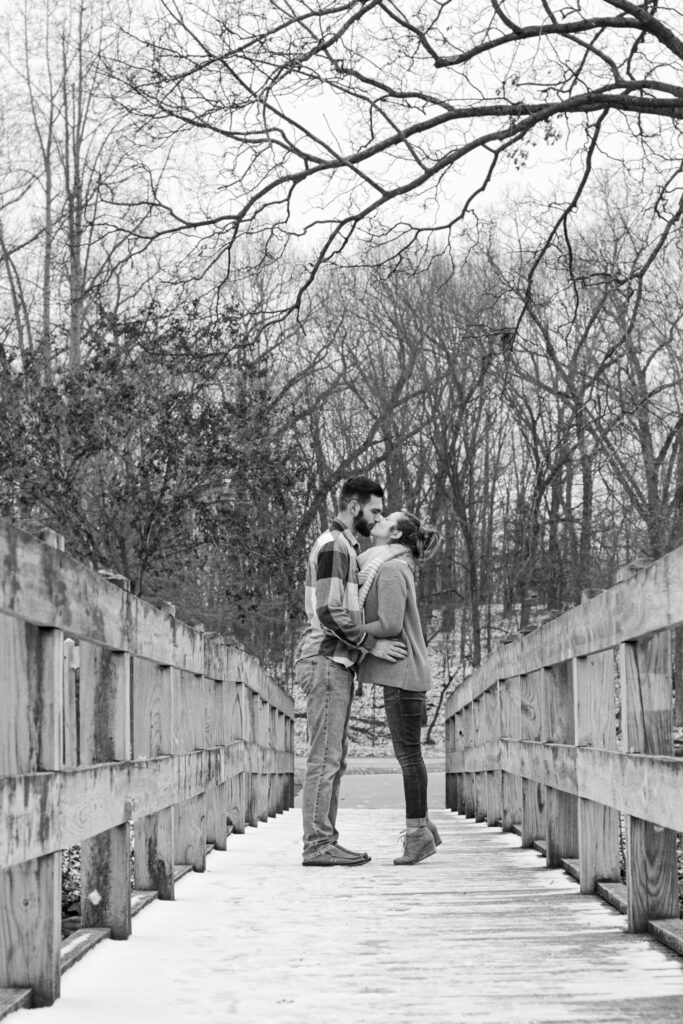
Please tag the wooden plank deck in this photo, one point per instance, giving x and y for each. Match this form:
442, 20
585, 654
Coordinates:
481, 933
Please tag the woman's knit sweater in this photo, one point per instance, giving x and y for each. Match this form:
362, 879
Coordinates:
391, 611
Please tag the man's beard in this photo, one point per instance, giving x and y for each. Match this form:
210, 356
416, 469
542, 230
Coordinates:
361, 525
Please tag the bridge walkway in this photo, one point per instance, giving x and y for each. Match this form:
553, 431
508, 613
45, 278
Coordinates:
481, 933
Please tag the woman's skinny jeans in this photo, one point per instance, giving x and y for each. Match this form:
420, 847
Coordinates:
404, 715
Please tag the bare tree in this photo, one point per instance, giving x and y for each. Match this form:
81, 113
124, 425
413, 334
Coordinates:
378, 117
68, 215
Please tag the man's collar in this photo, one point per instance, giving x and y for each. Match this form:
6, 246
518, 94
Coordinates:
352, 539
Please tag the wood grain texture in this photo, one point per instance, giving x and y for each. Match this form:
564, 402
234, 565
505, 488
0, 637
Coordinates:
31, 738
140, 745
70, 667
595, 726
47, 587
478, 742
190, 832
105, 881
153, 712
216, 815
647, 695
533, 790
20, 675
155, 853
598, 845
30, 927
557, 704
651, 873
190, 699
562, 826
647, 716
45, 812
509, 700
104, 735
104, 725
557, 726
12, 999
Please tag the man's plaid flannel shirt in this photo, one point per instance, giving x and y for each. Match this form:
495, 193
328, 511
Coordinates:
335, 621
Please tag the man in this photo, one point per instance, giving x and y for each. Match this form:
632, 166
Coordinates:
328, 653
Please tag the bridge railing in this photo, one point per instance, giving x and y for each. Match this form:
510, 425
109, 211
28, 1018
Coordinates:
566, 736
127, 732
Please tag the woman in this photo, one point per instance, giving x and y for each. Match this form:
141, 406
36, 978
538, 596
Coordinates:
387, 592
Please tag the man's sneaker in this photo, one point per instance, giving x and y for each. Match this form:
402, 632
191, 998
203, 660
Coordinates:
333, 856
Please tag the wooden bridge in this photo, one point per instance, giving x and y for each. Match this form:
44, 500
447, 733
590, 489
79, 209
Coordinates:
163, 740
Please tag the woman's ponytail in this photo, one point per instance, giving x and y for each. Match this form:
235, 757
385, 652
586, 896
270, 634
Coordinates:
421, 539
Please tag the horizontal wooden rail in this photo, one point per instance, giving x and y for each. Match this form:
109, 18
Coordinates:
117, 719
645, 603
566, 736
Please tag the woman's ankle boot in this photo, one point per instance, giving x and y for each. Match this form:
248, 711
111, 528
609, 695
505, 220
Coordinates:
435, 833
417, 845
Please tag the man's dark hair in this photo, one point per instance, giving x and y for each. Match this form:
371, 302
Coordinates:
362, 488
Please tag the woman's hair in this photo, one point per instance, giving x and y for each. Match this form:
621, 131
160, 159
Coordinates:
421, 539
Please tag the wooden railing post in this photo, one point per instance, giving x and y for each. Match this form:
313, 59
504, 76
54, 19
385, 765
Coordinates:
190, 700
478, 722
647, 723
494, 781
468, 747
251, 773
104, 735
238, 782
31, 736
533, 793
557, 726
510, 728
263, 725
72, 661
460, 780
278, 733
216, 734
451, 742
152, 695
595, 726
152, 736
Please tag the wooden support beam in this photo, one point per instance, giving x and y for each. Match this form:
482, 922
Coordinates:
468, 747
494, 779
533, 792
153, 736
237, 790
31, 739
595, 726
479, 777
510, 727
647, 719
452, 742
557, 726
104, 737
190, 816
216, 734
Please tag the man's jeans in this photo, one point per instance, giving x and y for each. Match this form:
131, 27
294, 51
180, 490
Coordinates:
328, 688
404, 710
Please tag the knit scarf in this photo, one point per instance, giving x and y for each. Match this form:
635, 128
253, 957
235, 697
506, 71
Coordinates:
370, 562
